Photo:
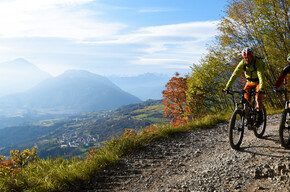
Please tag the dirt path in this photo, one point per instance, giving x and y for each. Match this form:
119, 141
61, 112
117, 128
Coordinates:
202, 160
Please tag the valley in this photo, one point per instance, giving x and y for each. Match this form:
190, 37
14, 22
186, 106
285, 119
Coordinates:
74, 136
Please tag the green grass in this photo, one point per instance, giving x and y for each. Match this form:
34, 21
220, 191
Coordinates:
274, 111
62, 175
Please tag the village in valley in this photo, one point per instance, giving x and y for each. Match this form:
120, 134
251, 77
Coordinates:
74, 140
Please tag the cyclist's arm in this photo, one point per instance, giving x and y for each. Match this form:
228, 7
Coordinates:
261, 73
235, 74
282, 76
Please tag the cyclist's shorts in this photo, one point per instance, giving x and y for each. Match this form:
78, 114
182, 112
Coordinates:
248, 87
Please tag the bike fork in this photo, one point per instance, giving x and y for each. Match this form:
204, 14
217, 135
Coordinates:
243, 120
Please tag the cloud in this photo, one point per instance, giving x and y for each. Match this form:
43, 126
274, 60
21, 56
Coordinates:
177, 33
53, 19
154, 61
70, 32
168, 63
182, 44
154, 10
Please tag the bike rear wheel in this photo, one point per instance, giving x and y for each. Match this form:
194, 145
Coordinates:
284, 129
236, 130
259, 131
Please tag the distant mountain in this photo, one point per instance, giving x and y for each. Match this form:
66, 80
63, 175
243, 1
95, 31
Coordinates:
75, 91
145, 86
19, 75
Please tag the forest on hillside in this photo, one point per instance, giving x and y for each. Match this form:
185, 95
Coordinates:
262, 25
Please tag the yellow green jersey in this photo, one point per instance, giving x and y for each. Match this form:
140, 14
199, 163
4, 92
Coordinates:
254, 72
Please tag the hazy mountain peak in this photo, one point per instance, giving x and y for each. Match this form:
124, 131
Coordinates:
74, 91
18, 63
79, 73
145, 86
20, 60
19, 75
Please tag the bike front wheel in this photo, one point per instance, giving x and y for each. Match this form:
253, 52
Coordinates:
236, 129
284, 129
259, 131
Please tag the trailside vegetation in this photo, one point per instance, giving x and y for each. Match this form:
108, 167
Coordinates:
174, 101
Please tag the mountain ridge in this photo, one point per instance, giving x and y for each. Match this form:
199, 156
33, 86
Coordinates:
74, 90
145, 86
19, 75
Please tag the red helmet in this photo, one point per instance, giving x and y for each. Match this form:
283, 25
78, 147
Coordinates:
247, 52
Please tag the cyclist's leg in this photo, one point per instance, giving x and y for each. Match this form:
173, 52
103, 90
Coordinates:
259, 99
248, 87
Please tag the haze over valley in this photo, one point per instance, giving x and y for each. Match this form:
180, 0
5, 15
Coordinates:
30, 94
74, 110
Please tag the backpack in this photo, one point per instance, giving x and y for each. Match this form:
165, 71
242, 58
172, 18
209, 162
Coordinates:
255, 67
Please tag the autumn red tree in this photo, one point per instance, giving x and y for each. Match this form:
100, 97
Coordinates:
174, 100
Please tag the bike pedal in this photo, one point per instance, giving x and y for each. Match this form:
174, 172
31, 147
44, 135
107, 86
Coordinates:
258, 124
250, 127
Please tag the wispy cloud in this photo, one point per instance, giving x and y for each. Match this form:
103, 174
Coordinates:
53, 18
169, 63
161, 45
70, 32
158, 61
154, 10
176, 34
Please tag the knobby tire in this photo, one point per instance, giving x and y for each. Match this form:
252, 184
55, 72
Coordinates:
236, 129
284, 129
259, 131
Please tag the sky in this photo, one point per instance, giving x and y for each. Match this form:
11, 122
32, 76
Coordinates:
109, 37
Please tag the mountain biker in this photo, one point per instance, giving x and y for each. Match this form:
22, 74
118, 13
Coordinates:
283, 74
253, 68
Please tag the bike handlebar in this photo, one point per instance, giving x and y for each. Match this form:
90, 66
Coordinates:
231, 92
282, 91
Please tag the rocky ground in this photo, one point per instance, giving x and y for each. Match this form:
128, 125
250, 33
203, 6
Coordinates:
202, 160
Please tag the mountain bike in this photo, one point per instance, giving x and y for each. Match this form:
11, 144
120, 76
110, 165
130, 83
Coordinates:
284, 128
245, 112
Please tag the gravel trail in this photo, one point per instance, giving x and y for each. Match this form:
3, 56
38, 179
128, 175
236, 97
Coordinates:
202, 160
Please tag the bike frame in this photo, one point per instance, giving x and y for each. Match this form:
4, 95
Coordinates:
284, 143
244, 102
287, 102
245, 109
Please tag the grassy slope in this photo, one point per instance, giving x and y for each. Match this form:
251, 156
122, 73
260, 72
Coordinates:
63, 175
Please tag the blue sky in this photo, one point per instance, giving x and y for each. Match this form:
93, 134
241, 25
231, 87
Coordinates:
109, 37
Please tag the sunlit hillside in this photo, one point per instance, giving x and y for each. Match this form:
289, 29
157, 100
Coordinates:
75, 135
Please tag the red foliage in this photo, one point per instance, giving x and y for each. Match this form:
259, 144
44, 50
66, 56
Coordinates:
129, 133
92, 151
149, 129
7, 163
174, 100
7, 167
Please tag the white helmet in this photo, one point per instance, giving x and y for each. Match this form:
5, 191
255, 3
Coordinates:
247, 52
